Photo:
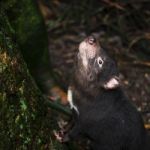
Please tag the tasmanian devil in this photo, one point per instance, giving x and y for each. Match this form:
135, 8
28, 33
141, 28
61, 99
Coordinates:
101, 111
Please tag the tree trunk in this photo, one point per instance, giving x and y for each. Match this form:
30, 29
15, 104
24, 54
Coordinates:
26, 122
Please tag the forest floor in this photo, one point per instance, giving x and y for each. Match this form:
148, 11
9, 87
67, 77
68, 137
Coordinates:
132, 58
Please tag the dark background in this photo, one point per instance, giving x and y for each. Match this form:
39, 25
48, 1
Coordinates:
123, 28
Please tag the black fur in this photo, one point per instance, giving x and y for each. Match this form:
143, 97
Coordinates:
106, 116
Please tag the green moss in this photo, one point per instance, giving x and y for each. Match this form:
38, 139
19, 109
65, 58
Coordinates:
30, 31
25, 121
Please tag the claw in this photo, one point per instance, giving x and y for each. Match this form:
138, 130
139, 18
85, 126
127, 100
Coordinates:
58, 136
61, 137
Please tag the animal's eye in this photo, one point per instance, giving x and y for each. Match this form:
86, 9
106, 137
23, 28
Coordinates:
100, 61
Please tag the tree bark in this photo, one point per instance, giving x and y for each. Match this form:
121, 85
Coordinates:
26, 122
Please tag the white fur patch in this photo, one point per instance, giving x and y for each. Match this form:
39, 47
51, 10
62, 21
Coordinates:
112, 83
85, 61
70, 100
88, 50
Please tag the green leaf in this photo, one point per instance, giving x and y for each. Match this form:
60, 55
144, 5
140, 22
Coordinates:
23, 104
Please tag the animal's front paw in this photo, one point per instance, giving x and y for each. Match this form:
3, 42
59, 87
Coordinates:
61, 137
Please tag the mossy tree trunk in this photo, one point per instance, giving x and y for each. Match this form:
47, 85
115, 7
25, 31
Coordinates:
25, 119
30, 31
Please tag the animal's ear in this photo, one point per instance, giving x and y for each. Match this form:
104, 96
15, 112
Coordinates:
112, 83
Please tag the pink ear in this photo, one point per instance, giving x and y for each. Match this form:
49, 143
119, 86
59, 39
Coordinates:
112, 83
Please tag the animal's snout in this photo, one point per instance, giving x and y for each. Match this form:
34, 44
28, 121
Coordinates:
91, 40
89, 48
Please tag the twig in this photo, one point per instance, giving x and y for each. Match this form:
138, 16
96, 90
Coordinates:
57, 106
114, 4
137, 39
137, 63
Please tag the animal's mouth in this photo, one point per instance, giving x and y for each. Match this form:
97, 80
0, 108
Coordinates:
88, 49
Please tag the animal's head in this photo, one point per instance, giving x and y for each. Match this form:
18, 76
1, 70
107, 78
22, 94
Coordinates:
94, 66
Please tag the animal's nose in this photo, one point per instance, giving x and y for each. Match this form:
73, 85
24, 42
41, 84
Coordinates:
91, 40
